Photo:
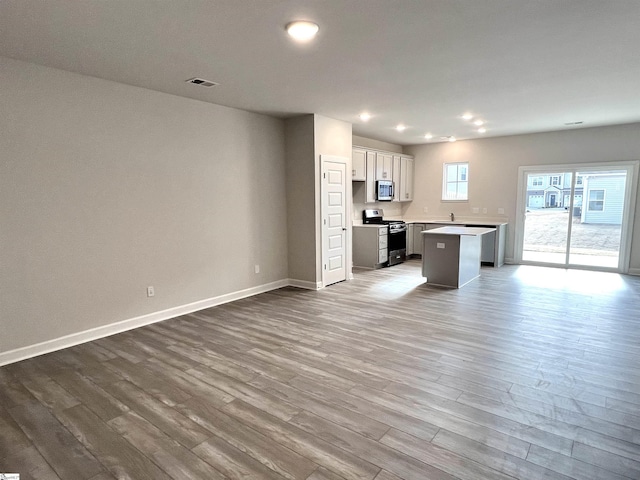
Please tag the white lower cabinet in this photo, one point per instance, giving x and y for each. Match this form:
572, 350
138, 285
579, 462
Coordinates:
370, 246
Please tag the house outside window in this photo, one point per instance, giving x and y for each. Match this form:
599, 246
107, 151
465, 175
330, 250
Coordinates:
455, 182
554, 180
537, 181
596, 201
579, 180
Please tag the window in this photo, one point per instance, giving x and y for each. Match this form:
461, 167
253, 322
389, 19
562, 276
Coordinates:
455, 182
596, 200
579, 180
554, 180
537, 181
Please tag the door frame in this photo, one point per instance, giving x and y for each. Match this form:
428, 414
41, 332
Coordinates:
631, 192
348, 222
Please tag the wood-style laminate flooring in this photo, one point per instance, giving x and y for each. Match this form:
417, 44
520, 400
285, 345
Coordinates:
525, 373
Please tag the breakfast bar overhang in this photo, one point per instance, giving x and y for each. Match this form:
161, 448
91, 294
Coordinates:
451, 255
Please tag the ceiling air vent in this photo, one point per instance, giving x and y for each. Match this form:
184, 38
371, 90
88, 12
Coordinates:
202, 81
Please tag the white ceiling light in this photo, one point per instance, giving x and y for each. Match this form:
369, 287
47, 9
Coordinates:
482, 130
467, 116
401, 128
302, 31
365, 117
428, 136
478, 122
452, 138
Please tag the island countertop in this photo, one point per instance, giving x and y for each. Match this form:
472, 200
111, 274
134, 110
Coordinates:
456, 230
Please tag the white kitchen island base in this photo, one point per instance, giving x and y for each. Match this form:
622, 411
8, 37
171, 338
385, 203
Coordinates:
451, 255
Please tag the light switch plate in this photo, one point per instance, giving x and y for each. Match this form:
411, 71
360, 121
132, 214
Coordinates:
439, 245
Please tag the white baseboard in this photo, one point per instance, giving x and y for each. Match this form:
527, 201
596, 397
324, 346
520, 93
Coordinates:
634, 271
104, 331
509, 261
305, 284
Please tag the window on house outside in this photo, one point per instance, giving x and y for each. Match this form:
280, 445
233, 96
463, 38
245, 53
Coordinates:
596, 200
455, 182
579, 180
537, 181
554, 180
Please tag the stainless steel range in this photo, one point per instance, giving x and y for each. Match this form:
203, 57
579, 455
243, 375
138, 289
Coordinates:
397, 234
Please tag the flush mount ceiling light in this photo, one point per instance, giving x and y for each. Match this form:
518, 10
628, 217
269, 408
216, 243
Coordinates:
467, 116
401, 128
452, 138
302, 31
365, 117
482, 130
428, 136
478, 122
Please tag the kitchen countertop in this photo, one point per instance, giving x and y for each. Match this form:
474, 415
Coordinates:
480, 221
461, 221
458, 231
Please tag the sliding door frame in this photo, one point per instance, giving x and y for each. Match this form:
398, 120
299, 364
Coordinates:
631, 192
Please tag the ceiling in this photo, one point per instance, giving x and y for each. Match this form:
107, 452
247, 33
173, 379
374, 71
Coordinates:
521, 65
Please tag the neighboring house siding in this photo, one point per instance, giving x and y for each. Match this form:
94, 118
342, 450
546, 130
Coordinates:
612, 203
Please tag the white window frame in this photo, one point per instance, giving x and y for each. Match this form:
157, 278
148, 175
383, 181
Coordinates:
446, 181
591, 190
554, 180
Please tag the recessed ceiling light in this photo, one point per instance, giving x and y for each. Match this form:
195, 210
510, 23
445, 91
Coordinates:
428, 136
482, 130
365, 117
478, 122
452, 138
401, 128
467, 116
302, 31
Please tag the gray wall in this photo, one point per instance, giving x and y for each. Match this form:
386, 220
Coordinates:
106, 189
307, 138
301, 188
494, 163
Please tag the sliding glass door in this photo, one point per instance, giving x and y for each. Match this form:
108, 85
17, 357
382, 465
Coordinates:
575, 217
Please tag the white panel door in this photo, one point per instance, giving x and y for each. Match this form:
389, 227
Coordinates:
334, 223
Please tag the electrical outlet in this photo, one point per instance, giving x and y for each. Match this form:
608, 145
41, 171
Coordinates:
256, 268
150, 292
501, 211
425, 210
484, 210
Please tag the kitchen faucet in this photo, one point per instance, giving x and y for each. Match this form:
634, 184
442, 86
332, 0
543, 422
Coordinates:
453, 217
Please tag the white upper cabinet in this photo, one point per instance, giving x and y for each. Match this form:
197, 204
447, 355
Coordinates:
384, 166
370, 182
371, 165
406, 179
359, 165
397, 196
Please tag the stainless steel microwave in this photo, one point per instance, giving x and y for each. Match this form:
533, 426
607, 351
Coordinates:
384, 190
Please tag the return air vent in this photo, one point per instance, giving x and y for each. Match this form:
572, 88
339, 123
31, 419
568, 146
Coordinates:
202, 81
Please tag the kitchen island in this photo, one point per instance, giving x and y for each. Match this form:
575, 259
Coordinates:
451, 256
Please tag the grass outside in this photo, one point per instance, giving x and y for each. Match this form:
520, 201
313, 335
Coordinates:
546, 232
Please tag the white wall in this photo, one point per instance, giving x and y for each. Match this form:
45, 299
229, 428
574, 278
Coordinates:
106, 189
493, 169
376, 144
